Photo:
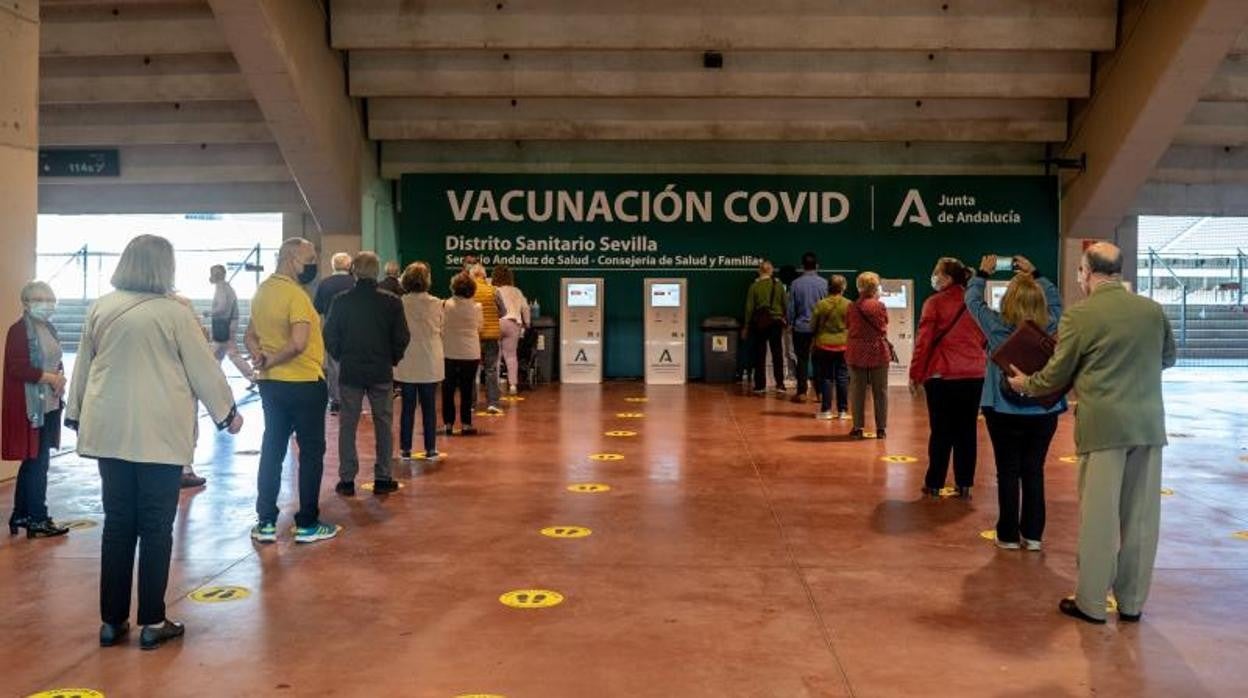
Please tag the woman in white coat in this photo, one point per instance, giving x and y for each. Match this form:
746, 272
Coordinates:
142, 366
421, 369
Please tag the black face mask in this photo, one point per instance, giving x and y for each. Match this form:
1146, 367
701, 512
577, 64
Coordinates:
308, 275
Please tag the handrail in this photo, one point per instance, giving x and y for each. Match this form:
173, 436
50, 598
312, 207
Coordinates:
1153, 259
243, 265
73, 257
1240, 259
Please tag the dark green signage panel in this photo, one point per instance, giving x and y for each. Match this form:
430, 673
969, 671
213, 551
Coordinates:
79, 163
713, 230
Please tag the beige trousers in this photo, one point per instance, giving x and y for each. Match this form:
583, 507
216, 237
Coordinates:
1119, 518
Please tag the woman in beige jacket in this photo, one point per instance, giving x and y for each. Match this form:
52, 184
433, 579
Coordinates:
142, 366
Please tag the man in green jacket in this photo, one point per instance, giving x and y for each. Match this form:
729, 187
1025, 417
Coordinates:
764, 326
1112, 347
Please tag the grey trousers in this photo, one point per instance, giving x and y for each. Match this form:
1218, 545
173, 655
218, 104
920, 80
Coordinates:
489, 371
381, 400
331, 379
859, 380
1119, 518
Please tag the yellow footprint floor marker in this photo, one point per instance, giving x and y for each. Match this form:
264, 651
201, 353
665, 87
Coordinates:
566, 532
589, 487
67, 693
636, 399
480, 695
1069, 459
483, 413
630, 415
512, 398
531, 598
606, 456
1167, 492
78, 524
621, 433
370, 486
990, 534
219, 594
868, 435
420, 455
900, 459
1242, 535
948, 491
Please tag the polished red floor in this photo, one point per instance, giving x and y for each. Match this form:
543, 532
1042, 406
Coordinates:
744, 549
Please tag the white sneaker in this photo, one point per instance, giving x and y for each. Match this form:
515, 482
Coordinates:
824, 415
1034, 546
844, 416
511, 390
1007, 546
494, 409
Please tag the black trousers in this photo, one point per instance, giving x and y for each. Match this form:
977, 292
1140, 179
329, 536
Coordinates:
30, 497
953, 414
424, 394
140, 501
761, 340
297, 408
801, 347
461, 376
1020, 444
831, 371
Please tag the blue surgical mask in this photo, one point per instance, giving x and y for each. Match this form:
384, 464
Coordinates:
42, 310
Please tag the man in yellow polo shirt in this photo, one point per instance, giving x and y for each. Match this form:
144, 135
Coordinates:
284, 338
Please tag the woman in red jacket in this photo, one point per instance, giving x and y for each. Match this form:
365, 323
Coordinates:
948, 364
34, 382
868, 354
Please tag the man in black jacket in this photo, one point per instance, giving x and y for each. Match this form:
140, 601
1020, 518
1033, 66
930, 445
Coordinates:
366, 333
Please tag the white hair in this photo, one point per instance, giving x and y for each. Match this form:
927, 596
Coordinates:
36, 288
146, 266
341, 261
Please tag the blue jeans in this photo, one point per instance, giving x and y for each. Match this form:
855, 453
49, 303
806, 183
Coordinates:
298, 408
830, 369
426, 394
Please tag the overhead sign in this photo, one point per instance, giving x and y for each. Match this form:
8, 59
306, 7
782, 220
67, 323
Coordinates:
79, 163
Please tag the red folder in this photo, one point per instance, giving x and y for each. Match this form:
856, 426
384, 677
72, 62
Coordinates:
1028, 349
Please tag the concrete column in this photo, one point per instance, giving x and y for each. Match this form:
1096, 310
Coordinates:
1127, 238
333, 243
19, 147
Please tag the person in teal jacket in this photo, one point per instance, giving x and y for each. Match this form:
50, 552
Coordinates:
1019, 429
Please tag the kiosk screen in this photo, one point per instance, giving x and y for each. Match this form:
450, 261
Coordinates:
894, 298
665, 296
582, 295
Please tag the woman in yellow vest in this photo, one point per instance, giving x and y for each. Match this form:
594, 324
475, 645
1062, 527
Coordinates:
492, 310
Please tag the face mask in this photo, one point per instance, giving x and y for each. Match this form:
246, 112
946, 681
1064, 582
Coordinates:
936, 286
42, 310
308, 275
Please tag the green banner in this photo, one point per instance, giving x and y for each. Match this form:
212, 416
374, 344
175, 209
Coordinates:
714, 230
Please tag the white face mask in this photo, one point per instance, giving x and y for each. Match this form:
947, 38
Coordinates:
936, 285
42, 309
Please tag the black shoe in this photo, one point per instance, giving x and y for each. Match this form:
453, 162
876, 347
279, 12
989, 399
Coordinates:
385, 486
1070, 608
335, 407
112, 634
154, 636
189, 481
45, 529
405, 455
964, 493
16, 524
880, 433
468, 430
931, 492
346, 489
449, 430
1129, 617
856, 434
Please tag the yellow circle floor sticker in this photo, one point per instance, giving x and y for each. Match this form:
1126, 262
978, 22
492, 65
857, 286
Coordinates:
990, 534
606, 456
948, 492
621, 433
868, 435
1069, 459
370, 486
67, 693
900, 459
566, 532
531, 598
220, 594
480, 695
630, 415
636, 399
483, 413
512, 398
78, 524
1242, 535
589, 487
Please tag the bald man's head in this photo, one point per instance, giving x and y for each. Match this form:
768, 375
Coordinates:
1103, 259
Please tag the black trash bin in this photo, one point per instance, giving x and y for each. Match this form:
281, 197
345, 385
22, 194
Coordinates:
545, 349
720, 341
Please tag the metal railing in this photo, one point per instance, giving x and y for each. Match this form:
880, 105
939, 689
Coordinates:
93, 269
1153, 261
248, 265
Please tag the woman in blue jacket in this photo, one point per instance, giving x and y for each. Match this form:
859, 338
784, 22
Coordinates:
1020, 429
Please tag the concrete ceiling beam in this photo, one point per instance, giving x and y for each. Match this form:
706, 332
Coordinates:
543, 73
1087, 25
300, 84
718, 119
1215, 123
246, 197
1141, 103
126, 29
1196, 164
169, 78
764, 157
1230, 83
152, 124
1170, 199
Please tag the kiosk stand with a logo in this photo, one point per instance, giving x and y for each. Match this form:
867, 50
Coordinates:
580, 331
666, 306
898, 296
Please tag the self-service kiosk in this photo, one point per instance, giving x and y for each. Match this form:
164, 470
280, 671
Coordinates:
580, 331
897, 295
666, 307
996, 291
